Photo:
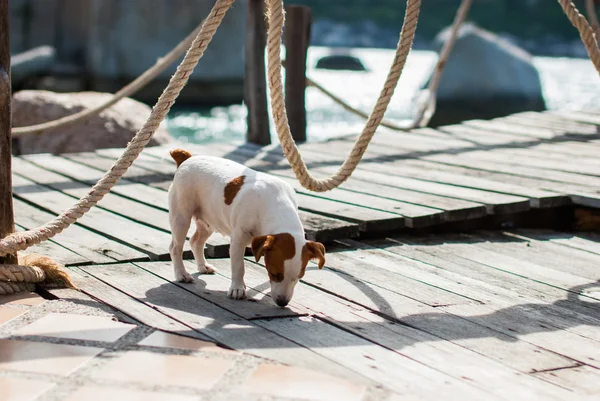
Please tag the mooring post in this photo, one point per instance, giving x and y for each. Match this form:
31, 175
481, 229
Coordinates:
255, 84
296, 39
7, 222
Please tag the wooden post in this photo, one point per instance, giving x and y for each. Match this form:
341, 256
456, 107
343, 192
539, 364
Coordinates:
296, 39
7, 222
255, 84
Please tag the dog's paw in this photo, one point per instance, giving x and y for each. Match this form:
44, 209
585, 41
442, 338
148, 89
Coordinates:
236, 293
184, 277
206, 269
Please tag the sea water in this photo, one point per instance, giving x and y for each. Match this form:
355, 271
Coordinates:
567, 84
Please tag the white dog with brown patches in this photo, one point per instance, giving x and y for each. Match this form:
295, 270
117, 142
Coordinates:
251, 208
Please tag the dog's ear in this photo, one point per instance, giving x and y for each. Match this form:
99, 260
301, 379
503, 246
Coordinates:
315, 250
261, 244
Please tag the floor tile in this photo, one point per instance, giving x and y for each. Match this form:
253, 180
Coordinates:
284, 381
22, 298
162, 369
12, 389
78, 327
92, 393
29, 356
8, 314
162, 339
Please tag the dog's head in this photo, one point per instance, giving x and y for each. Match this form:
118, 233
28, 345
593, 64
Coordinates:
286, 258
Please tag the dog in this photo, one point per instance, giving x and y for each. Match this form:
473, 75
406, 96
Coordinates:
250, 207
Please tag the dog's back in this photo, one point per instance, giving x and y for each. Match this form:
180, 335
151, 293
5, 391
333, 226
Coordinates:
222, 192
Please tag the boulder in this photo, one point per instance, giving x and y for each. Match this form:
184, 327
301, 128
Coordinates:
113, 128
485, 77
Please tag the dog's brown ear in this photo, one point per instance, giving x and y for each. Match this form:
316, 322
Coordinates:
261, 244
316, 250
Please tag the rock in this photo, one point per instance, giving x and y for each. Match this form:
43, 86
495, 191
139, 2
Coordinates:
340, 62
113, 128
485, 77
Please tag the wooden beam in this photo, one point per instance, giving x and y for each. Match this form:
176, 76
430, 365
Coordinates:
255, 84
296, 39
7, 221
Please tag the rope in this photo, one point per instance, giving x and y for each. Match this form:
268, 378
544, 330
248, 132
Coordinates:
590, 8
275, 17
427, 107
161, 64
585, 31
22, 240
31, 270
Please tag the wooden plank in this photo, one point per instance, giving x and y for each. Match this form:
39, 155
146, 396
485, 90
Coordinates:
543, 313
296, 38
214, 287
546, 177
512, 127
453, 209
255, 85
92, 247
426, 171
552, 256
514, 287
7, 220
553, 122
382, 184
587, 242
585, 378
577, 116
488, 156
130, 306
378, 364
152, 242
55, 251
357, 300
371, 218
428, 349
209, 319
538, 323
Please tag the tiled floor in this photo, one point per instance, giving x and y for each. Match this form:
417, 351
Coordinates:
77, 356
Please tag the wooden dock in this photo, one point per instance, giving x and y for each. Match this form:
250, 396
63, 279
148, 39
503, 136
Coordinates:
451, 273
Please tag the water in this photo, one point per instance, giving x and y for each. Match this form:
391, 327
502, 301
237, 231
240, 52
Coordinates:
568, 84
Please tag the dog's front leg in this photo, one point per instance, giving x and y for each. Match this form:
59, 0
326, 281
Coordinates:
237, 250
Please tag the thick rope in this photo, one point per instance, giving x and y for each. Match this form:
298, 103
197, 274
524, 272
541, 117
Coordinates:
161, 64
32, 269
427, 106
22, 240
590, 8
585, 31
275, 16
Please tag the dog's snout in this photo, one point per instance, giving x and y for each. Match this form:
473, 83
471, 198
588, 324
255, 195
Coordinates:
282, 301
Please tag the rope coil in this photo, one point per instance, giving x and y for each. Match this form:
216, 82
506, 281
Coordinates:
33, 269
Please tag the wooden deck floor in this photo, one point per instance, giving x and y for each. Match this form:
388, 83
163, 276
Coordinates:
504, 314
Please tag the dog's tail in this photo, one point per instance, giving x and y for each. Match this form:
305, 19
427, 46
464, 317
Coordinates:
180, 155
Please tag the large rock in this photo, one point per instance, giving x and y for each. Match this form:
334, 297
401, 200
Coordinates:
113, 128
485, 77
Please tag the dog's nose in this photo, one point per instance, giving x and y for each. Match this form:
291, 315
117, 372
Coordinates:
282, 301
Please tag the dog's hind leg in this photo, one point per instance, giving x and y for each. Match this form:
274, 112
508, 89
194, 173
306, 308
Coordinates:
197, 244
180, 224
